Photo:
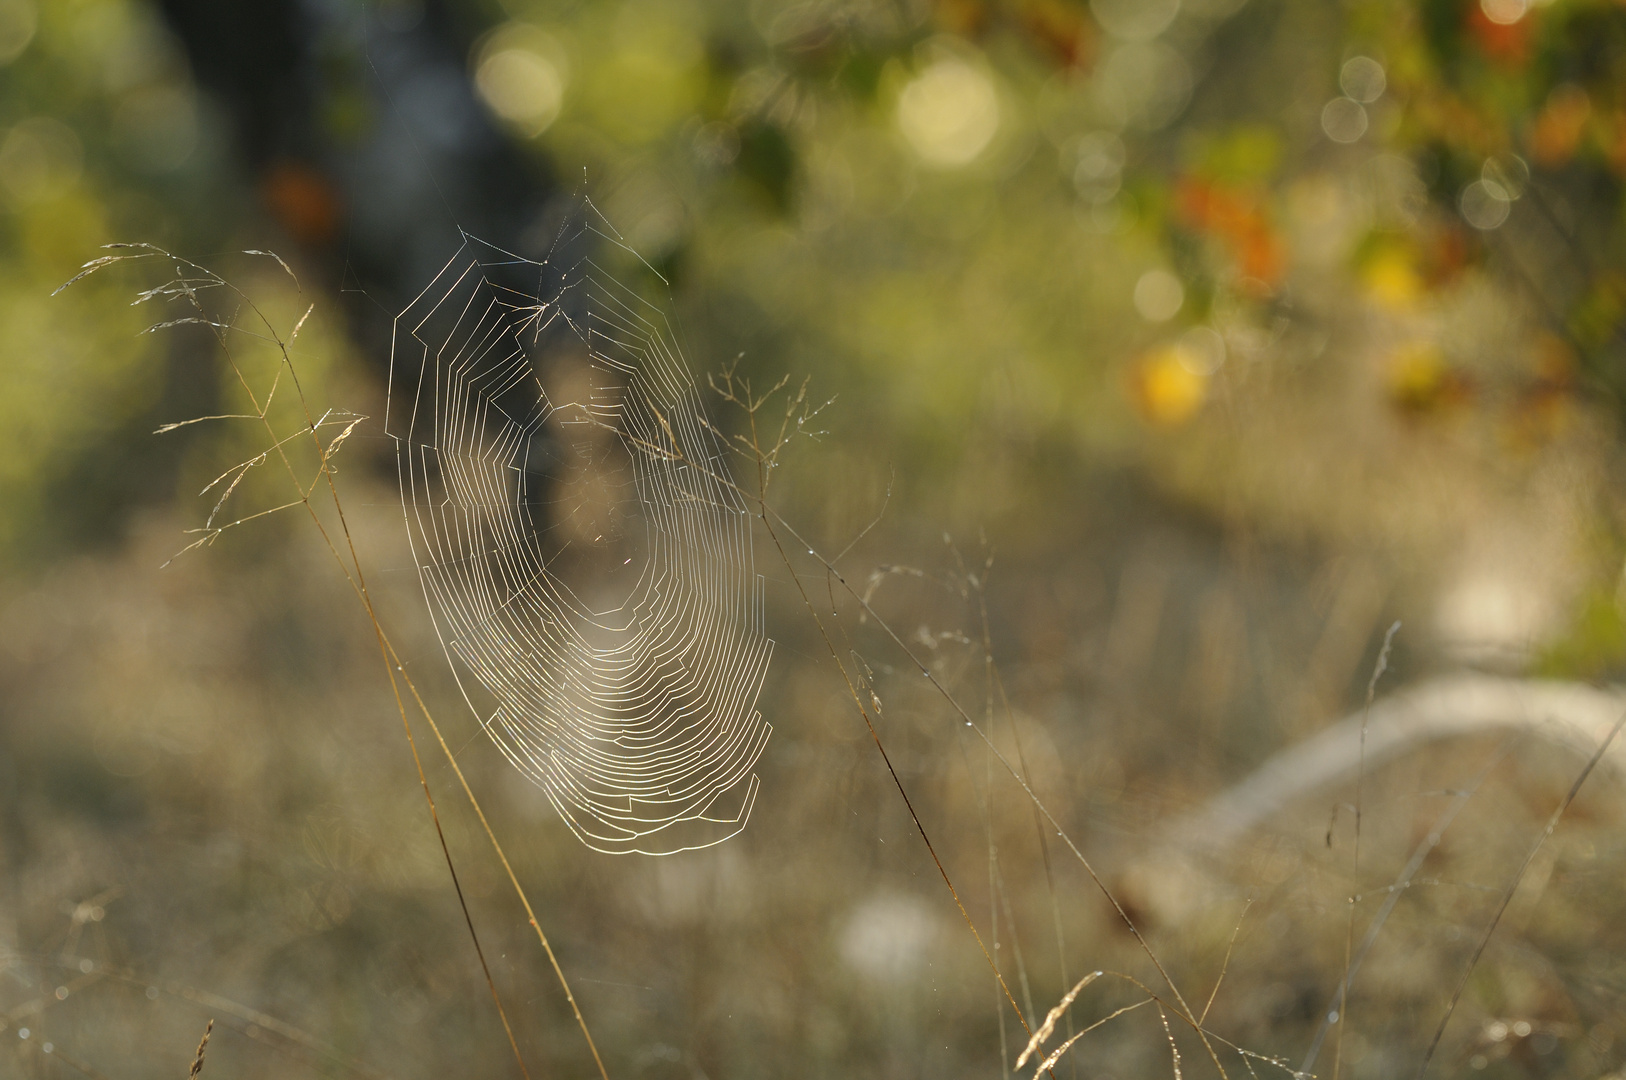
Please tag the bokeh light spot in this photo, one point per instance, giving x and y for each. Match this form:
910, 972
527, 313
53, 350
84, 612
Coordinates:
1362, 79
1343, 119
1143, 84
520, 75
1166, 387
1508, 172
1159, 296
39, 157
1392, 276
18, 21
1485, 204
949, 113
1201, 350
1098, 169
1135, 20
1504, 12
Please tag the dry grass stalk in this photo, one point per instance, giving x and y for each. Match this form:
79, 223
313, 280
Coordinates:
187, 289
1055, 1055
1048, 1028
1174, 1048
197, 1065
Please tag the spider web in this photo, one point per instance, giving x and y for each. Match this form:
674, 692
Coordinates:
586, 560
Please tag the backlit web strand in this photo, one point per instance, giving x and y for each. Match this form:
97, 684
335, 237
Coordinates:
633, 709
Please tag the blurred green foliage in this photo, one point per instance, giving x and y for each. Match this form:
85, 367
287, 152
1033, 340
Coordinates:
104, 140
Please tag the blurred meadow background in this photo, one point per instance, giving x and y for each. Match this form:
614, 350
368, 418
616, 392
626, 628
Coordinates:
1175, 350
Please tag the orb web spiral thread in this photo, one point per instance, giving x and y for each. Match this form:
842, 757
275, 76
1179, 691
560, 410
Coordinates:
586, 559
